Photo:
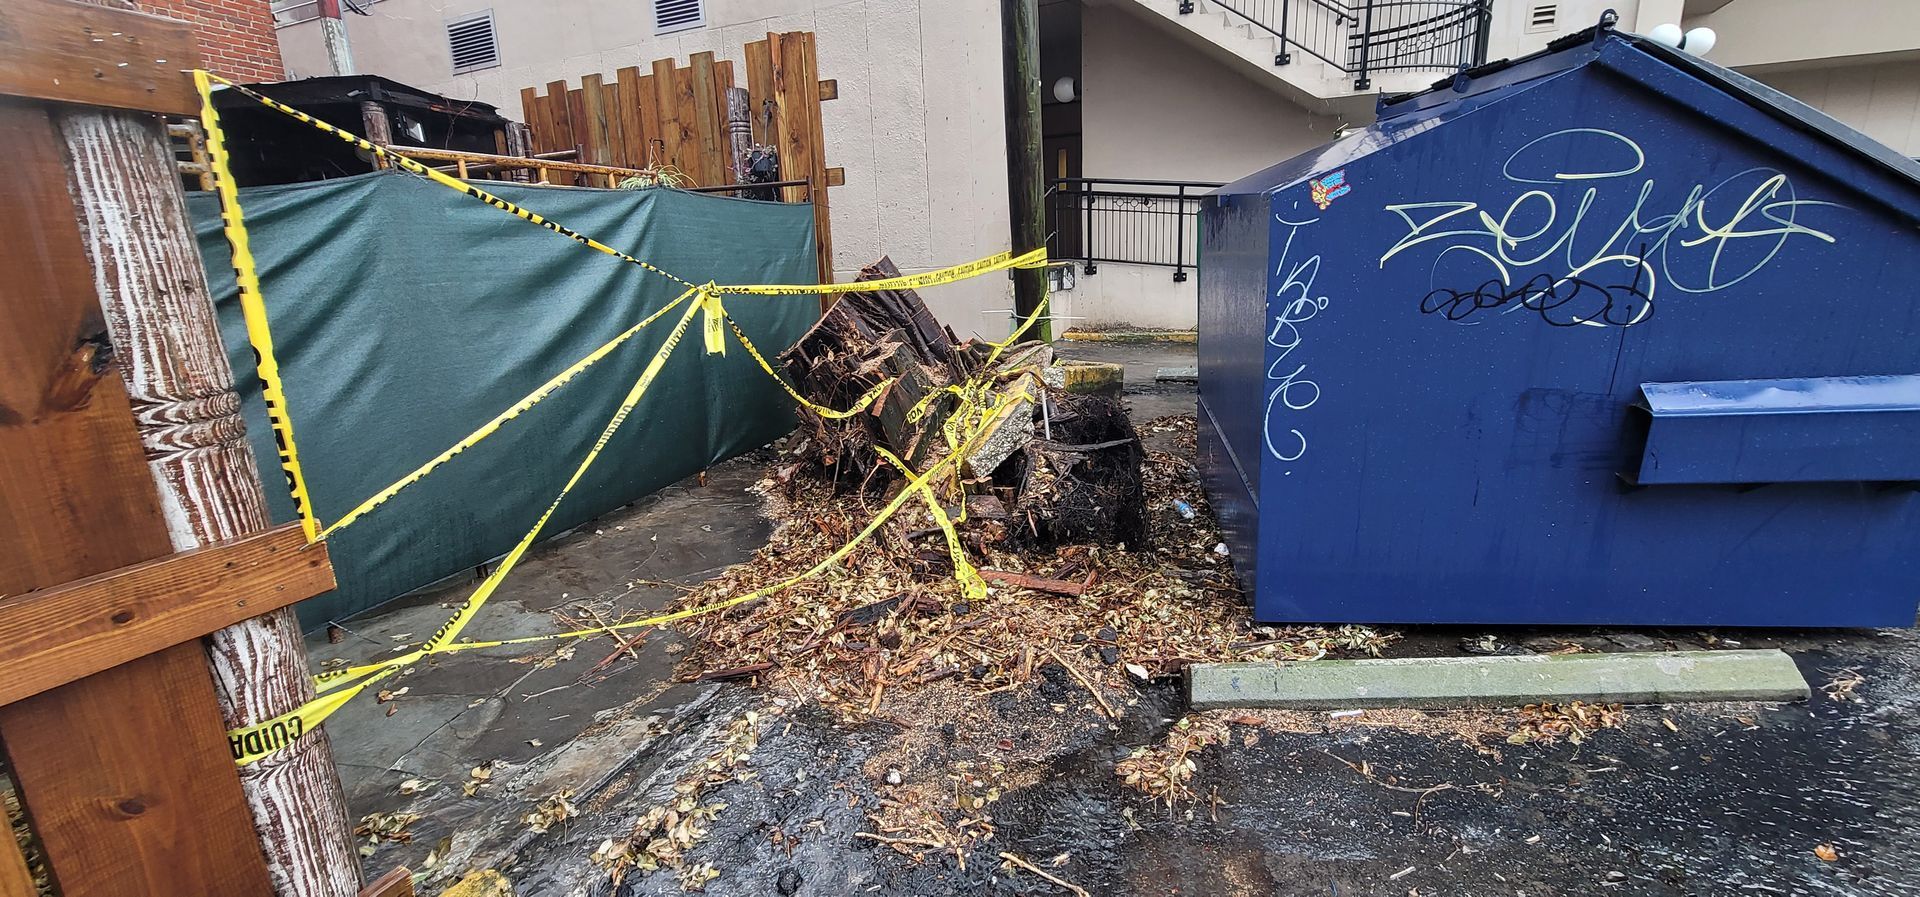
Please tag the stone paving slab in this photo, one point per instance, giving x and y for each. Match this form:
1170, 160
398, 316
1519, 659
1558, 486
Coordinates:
1438, 683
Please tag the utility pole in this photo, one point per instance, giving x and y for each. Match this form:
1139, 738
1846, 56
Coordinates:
333, 33
1026, 189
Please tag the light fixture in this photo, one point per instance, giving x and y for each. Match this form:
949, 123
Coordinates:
1698, 41
1066, 90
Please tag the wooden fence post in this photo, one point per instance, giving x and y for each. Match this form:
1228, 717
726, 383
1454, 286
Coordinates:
160, 318
159, 312
739, 131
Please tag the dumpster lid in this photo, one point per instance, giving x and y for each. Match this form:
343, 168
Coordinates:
1897, 392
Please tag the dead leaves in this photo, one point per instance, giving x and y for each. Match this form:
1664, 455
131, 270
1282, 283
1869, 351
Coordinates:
379, 828
1163, 771
1843, 687
1548, 723
552, 811
890, 619
664, 834
479, 778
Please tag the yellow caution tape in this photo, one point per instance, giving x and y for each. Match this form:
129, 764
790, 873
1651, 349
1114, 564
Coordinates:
710, 317
256, 742
251, 743
996, 262
254, 308
465, 612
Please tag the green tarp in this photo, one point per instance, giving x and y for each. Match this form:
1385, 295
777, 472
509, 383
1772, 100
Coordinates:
404, 315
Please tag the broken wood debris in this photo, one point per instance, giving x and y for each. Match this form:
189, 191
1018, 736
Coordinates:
1059, 467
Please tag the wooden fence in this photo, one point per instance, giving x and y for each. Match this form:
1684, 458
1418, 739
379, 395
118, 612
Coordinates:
674, 115
121, 450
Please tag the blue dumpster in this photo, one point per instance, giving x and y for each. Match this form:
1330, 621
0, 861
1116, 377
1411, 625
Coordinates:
1604, 335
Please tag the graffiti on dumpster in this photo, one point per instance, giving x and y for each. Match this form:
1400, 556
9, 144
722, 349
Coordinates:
1614, 239
1290, 390
1564, 302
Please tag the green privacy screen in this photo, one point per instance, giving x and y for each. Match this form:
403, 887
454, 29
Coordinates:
405, 315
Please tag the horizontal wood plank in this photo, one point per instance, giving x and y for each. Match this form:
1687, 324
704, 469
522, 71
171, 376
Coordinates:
128, 778
97, 55
55, 636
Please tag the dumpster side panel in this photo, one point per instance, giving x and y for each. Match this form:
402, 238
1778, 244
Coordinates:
1460, 322
1234, 285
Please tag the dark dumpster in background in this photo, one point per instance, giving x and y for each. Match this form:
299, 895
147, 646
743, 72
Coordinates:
1608, 334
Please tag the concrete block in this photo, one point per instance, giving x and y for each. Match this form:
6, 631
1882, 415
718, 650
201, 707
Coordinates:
1131, 336
1090, 377
1177, 375
1440, 683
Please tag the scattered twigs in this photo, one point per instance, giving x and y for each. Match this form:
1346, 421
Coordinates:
1091, 688
1072, 888
1037, 583
1366, 772
735, 672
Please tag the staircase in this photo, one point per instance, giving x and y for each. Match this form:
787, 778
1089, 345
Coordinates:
1335, 52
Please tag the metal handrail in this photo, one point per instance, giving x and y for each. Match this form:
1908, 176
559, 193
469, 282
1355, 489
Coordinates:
1124, 221
1372, 35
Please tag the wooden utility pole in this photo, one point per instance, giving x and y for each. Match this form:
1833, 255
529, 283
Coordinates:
159, 312
1026, 188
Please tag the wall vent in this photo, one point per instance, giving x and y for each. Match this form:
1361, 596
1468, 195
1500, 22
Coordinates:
1543, 17
678, 15
470, 40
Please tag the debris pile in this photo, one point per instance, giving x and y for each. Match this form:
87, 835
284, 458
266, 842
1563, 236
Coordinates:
1547, 723
891, 620
1165, 769
1056, 466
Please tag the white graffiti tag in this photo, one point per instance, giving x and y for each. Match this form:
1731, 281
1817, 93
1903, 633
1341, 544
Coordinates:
1605, 248
1290, 389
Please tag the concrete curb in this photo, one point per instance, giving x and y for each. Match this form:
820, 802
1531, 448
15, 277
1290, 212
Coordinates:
1441, 683
1132, 336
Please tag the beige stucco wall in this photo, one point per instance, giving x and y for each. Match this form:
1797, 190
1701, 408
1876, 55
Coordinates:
1881, 100
918, 125
1155, 108
1769, 32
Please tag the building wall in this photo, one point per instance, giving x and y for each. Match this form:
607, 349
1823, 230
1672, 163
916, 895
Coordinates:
1155, 108
918, 125
1881, 100
1769, 32
236, 37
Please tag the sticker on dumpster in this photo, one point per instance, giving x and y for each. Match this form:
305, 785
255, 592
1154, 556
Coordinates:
1329, 188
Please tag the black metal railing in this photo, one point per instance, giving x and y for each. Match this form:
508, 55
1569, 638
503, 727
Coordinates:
1360, 37
1133, 222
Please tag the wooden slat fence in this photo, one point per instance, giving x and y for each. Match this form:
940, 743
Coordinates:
674, 116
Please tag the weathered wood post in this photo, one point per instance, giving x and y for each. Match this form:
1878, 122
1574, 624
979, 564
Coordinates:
739, 131
160, 319
519, 144
159, 311
376, 127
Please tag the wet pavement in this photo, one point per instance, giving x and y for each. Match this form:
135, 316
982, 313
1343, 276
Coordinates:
1682, 800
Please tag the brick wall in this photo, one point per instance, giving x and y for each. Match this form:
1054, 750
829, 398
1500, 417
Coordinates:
236, 36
